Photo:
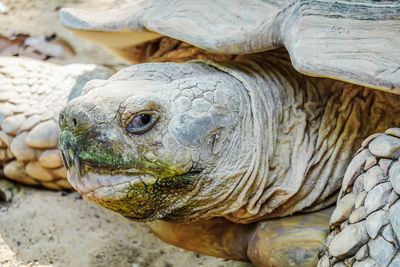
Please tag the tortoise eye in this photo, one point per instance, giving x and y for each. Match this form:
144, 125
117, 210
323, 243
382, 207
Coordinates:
141, 123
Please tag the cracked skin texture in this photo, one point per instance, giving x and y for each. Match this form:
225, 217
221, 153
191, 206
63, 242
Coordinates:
248, 140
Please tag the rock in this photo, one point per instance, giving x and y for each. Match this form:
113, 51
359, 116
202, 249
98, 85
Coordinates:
60, 172
366, 263
358, 185
339, 264
323, 261
5, 138
21, 150
4, 155
64, 183
16, 171
36, 171
48, 115
394, 176
385, 164
395, 218
349, 261
362, 253
368, 140
30, 122
385, 146
50, 159
343, 208
381, 251
358, 215
395, 262
43, 135
377, 197
387, 233
2, 144
11, 125
348, 241
393, 197
360, 199
52, 186
353, 170
393, 131
369, 163
373, 177
375, 221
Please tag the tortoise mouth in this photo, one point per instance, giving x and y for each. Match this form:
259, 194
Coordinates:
92, 181
87, 177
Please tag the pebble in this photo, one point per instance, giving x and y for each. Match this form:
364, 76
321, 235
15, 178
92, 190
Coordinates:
16, 171
385, 164
394, 176
348, 241
373, 177
369, 163
385, 146
349, 261
30, 122
377, 197
393, 197
366, 263
387, 233
360, 199
4, 155
343, 208
358, 186
64, 183
50, 159
339, 264
38, 172
395, 262
5, 138
21, 150
323, 261
362, 253
353, 170
358, 215
368, 140
381, 251
43, 135
393, 131
60, 172
375, 221
11, 125
52, 186
395, 218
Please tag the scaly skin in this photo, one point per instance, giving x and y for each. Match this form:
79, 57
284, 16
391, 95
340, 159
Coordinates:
247, 140
32, 93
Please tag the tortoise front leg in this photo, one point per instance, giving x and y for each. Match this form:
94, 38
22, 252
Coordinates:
287, 241
216, 237
366, 222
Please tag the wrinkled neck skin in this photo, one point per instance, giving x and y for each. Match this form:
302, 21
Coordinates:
268, 163
299, 140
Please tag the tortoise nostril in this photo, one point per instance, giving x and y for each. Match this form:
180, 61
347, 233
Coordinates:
74, 122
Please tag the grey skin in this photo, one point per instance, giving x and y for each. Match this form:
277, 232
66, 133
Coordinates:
246, 140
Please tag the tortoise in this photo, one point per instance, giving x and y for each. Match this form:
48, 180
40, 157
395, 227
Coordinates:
217, 156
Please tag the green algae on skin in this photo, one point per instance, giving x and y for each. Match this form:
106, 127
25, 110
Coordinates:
113, 158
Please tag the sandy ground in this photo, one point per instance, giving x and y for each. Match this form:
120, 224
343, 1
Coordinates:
40, 18
45, 228
59, 229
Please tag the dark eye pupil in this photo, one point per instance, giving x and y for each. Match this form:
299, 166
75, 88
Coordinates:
145, 118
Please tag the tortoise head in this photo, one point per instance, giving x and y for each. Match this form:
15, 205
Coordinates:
155, 140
